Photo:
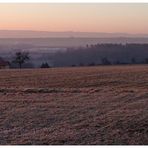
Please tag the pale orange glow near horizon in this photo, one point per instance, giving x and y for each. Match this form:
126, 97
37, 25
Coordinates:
127, 18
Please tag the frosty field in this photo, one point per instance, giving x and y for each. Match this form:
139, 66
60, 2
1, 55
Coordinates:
85, 105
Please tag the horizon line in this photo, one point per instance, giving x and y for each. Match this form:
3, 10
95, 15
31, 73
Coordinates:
73, 31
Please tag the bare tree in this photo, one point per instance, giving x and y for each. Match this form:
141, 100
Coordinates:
20, 58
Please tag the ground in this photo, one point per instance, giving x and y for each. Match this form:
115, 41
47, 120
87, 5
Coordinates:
86, 105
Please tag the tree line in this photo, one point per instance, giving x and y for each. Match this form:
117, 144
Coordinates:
91, 55
102, 54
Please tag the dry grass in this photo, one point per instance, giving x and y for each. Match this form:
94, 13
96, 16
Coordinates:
95, 105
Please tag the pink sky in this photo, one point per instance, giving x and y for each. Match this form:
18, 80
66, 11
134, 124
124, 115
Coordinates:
129, 18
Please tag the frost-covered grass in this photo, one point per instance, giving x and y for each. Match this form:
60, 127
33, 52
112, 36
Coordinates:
89, 105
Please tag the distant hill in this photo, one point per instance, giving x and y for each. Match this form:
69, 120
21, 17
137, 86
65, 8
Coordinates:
38, 43
46, 34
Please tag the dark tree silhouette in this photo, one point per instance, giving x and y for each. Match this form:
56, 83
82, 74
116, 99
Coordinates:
105, 61
45, 65
20, 58
146, 61
133, 60
92, 64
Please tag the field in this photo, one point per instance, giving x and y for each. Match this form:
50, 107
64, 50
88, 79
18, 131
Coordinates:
86, 105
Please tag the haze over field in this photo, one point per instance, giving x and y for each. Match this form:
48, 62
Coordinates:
36, 26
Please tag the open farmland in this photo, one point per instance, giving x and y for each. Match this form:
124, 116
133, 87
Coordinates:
86, 105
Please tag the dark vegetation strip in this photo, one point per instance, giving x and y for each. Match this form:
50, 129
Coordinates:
39, 90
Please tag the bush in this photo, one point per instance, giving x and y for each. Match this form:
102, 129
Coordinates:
45, 65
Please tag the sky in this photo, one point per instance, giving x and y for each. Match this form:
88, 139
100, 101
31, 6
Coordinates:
112, 18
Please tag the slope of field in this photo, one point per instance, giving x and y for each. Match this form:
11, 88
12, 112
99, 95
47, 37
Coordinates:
89, 105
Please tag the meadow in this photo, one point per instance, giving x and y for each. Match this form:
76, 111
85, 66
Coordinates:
74, 106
